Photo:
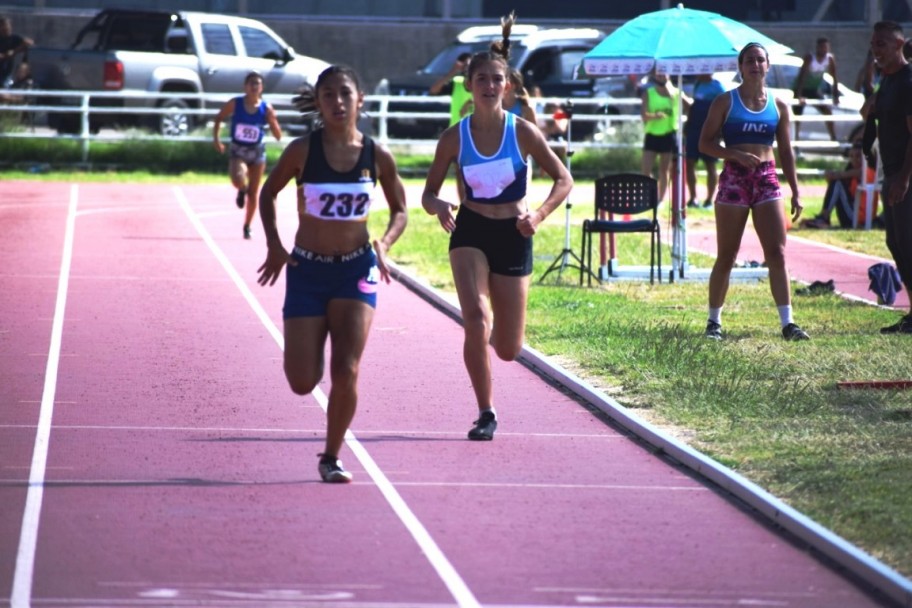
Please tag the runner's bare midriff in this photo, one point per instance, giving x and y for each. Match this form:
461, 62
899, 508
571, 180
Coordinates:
764, 153
330, 238
500, 211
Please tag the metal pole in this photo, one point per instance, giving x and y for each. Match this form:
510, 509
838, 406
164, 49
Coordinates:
84, 127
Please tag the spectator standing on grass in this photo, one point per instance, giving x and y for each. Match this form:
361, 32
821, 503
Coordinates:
491, 235
10, 45
453, 82
247, 155
892, 112
332, 272
706, 88
810, 83
750, 121
659, 111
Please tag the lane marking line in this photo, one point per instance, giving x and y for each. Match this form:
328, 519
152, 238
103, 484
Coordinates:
21, 596
445, 570
376, 432
78, 482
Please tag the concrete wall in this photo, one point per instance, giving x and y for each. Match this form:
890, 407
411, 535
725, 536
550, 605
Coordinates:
386, 47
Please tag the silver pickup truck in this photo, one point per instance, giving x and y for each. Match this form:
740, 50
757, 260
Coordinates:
143, 53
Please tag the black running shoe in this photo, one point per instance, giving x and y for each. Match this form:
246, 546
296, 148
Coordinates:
241, 197
904, 326
246, 231
707, 204
484, 427
713, 330
331, 470
793, 332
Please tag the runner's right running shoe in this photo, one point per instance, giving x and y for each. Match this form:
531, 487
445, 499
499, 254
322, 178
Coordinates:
484, 427
793, 332
713, 330
331, 470
241, 197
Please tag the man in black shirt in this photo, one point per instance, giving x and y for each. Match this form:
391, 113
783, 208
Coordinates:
10, 45
892, 111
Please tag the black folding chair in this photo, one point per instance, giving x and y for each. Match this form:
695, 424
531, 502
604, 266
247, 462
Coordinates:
623, 194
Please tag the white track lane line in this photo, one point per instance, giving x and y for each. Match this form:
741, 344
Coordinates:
448, 574
28, 537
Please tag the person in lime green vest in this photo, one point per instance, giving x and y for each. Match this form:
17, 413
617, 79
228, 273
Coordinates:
460, 97
659, 111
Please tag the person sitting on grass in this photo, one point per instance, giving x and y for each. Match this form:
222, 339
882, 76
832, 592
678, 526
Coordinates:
842, 187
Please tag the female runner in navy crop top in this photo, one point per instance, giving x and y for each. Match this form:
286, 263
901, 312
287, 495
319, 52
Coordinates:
749, 120
491, 236
332, 272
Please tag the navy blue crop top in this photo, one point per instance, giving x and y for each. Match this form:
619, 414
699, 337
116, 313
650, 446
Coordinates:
745, 126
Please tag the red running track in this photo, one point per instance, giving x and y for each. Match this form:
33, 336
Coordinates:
180, 470
810, 261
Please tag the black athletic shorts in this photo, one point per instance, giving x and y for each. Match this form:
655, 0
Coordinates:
508, 252
660, 144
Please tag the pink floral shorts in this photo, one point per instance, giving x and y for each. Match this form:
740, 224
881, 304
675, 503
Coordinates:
744, 187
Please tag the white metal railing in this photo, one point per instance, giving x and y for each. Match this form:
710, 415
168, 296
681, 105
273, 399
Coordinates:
599, 111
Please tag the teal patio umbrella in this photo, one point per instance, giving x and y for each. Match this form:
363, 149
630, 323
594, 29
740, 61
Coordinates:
676, 41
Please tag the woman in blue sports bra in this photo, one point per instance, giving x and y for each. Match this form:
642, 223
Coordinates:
491, 235
749, 121
333, 269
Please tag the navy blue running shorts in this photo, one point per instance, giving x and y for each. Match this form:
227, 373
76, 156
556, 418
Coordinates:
317, 279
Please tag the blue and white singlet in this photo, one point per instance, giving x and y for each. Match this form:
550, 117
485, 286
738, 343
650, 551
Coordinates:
493, 179
247, 128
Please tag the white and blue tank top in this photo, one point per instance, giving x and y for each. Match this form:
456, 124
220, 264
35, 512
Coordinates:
500, 178
745, 126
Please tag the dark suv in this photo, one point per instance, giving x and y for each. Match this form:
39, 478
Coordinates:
547, 58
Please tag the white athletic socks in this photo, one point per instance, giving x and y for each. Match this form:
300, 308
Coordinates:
785, 315
715, 315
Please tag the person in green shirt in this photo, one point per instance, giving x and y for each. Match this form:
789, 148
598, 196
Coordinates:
460, 97
659, 111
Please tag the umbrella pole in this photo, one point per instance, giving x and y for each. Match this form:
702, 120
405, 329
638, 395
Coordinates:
679, 218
